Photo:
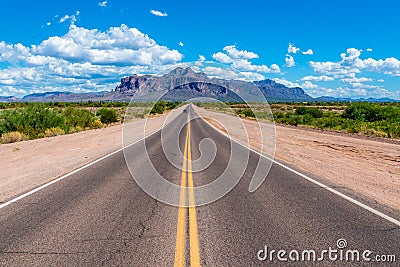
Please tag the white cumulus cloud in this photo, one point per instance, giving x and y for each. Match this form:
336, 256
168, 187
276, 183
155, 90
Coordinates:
222, 57
233, 52
308, 85
63, 19
352, 64
253, 76
158, 13
103, 4
289, 61
72, 18
286, 82
240, 59
118, 45
356, 80
322, 78
308, 52
292, 49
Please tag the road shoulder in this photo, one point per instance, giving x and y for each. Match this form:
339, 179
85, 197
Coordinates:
366, 169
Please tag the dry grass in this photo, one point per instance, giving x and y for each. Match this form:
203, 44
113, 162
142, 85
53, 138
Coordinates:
54, 131
12, 137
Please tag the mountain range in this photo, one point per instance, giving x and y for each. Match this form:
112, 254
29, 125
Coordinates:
182, 84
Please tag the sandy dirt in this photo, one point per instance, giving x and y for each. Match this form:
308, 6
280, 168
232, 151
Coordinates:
369, 167
28, 164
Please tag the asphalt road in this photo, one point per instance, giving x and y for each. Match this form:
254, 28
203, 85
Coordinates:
99, 216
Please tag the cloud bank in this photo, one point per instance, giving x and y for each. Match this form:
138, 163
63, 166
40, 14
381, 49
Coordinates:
82, 60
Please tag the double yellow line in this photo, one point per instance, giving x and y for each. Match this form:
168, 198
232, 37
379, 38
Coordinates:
181, 228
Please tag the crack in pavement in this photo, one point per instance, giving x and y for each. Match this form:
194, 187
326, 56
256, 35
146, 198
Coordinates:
143, 223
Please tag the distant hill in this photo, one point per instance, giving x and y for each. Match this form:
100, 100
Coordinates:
8, 99
56, 97
39, 96
347, 99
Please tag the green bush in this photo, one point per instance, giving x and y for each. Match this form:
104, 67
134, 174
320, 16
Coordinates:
159, 107
31, 121
78, 117
394, 130
361, 111
107, 115
247, 112
314, 112
172, 105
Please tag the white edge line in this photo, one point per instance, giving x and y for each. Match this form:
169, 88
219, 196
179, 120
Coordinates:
5, 204
352, 200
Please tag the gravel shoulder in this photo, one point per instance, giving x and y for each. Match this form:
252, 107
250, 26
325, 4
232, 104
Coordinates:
28, 164
368, 167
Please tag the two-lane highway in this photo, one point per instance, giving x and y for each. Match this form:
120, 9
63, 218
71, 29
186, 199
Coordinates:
187, 194
99, 216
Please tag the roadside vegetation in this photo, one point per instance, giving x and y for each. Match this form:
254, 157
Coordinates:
25, 121
370, 119
161, 106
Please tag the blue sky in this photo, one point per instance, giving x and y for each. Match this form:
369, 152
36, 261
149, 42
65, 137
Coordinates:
335, 48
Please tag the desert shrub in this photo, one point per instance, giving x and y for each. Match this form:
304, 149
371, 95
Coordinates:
107, 115
12, 137
75, 129
329, 121
96, 124
293, 120
278, 115
159, 107
31, 121
308, 119
314, 112
54, 131
78, 117
172, 105
247, 112
361, 111
394, 130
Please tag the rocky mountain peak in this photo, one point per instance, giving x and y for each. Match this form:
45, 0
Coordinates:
183, 83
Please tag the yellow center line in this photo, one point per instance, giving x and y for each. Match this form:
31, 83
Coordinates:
181, 229
193, 232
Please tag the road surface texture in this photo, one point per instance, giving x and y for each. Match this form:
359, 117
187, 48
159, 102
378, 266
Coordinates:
99, 216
